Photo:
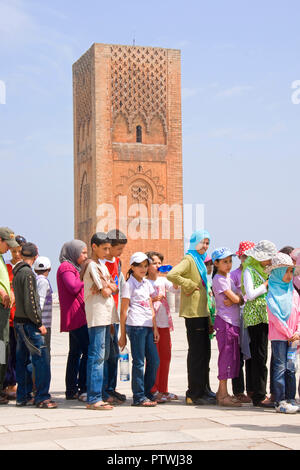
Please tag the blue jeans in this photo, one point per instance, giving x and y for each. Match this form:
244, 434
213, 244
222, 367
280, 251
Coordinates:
77, 360
142, 346
41, 364
111, 365
284, 380
98, 352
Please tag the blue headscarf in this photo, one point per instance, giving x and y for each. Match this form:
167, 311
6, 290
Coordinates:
280, 295
195, 239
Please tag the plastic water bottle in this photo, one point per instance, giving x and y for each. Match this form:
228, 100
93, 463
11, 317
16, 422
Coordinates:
292, 357
165, 268
124, 365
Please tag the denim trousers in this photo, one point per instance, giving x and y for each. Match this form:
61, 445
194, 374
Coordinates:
77, 360
111, 365
142, 347
41, 364
98, 352
283, 380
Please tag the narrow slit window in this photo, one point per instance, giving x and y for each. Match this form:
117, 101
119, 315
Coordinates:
139, 134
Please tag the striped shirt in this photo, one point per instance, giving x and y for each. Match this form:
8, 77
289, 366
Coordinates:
45, 293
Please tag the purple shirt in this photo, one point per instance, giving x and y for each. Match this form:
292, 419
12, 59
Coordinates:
236, 276
71, 297
229, 314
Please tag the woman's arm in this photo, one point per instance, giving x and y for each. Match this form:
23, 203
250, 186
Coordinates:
155, 330
123, 318
72, 283
177, 277
251, 292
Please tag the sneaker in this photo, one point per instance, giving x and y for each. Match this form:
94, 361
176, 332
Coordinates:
285, 407
294, 403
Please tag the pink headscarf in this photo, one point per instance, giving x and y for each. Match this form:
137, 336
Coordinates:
297, 278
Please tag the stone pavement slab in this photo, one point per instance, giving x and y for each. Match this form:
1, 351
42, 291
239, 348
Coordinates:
171, 426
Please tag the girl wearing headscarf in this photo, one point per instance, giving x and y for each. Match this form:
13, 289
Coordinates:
254, 285
73, 317
191, 275
283, 306
296, 258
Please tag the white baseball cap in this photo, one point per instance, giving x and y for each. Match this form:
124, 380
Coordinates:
42, 263
138, 257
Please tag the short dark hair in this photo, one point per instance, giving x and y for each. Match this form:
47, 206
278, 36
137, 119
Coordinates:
29, 250
286, 250
42, 271
99, 238
150, 255
116, 237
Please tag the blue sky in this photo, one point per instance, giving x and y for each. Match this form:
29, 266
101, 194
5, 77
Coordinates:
240, 127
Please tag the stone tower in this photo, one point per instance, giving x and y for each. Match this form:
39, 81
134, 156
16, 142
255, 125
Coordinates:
128, 147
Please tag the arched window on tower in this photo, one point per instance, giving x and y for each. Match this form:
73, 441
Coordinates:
139, 134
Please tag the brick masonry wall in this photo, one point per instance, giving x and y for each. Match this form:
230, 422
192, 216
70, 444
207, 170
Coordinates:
116, 89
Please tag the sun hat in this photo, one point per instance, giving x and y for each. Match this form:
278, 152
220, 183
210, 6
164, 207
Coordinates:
282, 260
263, 251
8, 236
221, 253
244, 246
138, 257
42, 263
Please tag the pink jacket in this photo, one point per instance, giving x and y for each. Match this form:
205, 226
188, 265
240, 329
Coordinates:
71, 297
277, 330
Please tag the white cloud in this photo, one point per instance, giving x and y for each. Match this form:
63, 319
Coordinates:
237, 90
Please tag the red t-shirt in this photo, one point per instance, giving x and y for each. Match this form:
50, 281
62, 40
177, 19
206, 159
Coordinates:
113, 268
13, 309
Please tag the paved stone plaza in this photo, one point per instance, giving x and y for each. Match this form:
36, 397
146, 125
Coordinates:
173, 426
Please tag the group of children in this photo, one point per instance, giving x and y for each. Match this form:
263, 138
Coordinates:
257, 302
244, 308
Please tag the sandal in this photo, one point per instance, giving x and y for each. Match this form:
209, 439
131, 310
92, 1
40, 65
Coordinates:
29, 402
171, 396
114, 401
145, 403
161, 398
82, 397
46, 404
73, 397
228, 401
117, 395
99, 406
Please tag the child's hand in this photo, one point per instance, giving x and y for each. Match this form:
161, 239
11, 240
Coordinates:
94, 289
197, 288
122, 342
157, 298
43, 330
156, 335
295, 337
106, 292
228, 302
5, 299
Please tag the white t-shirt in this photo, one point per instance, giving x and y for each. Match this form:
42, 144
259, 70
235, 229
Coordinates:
139, 311
161, 287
